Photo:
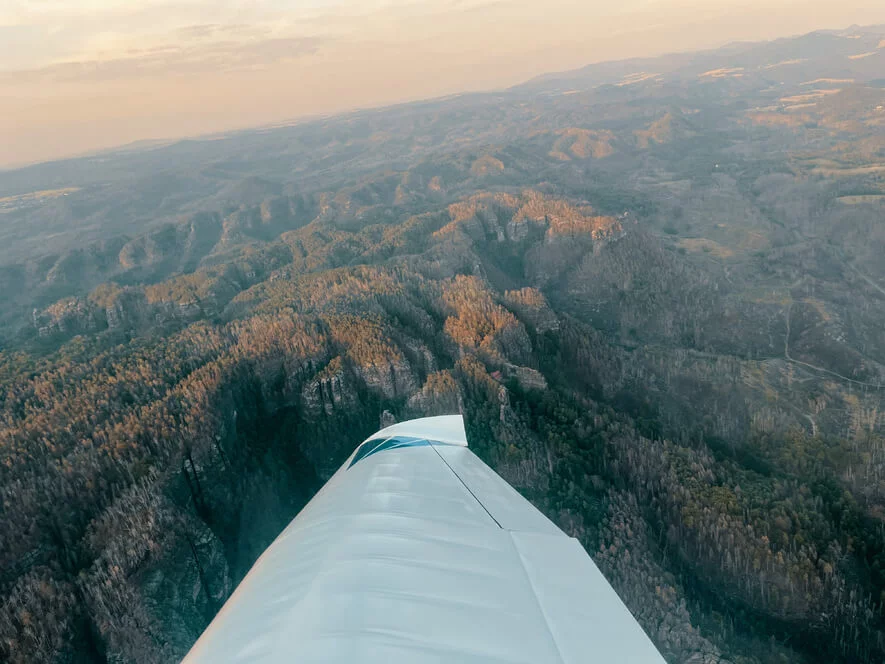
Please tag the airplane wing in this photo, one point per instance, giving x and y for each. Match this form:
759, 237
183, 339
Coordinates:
416, 552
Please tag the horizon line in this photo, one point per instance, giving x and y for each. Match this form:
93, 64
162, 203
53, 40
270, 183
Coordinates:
147, 144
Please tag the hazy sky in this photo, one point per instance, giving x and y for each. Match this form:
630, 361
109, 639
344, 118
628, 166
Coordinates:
78, 75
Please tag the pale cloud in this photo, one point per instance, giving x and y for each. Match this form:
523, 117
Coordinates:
178, 60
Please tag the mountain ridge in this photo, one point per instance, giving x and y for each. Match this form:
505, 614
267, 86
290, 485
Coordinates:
659, 307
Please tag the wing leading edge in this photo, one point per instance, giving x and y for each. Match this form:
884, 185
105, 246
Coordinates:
416, 552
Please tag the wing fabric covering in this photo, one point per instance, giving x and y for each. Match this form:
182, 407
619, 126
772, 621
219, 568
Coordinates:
416, 552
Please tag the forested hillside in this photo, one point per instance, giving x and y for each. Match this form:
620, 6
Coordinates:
655, 291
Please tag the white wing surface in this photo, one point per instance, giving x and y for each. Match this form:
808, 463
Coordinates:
416, 552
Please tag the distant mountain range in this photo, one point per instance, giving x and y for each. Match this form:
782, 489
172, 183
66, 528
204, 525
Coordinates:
855, 53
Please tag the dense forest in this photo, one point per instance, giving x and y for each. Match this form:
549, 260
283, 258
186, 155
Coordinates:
657, 311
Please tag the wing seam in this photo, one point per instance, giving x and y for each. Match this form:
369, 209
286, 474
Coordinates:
442, 458
528, 579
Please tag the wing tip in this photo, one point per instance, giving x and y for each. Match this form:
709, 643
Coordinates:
442, 428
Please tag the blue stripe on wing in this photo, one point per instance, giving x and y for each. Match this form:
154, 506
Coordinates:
376, 445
